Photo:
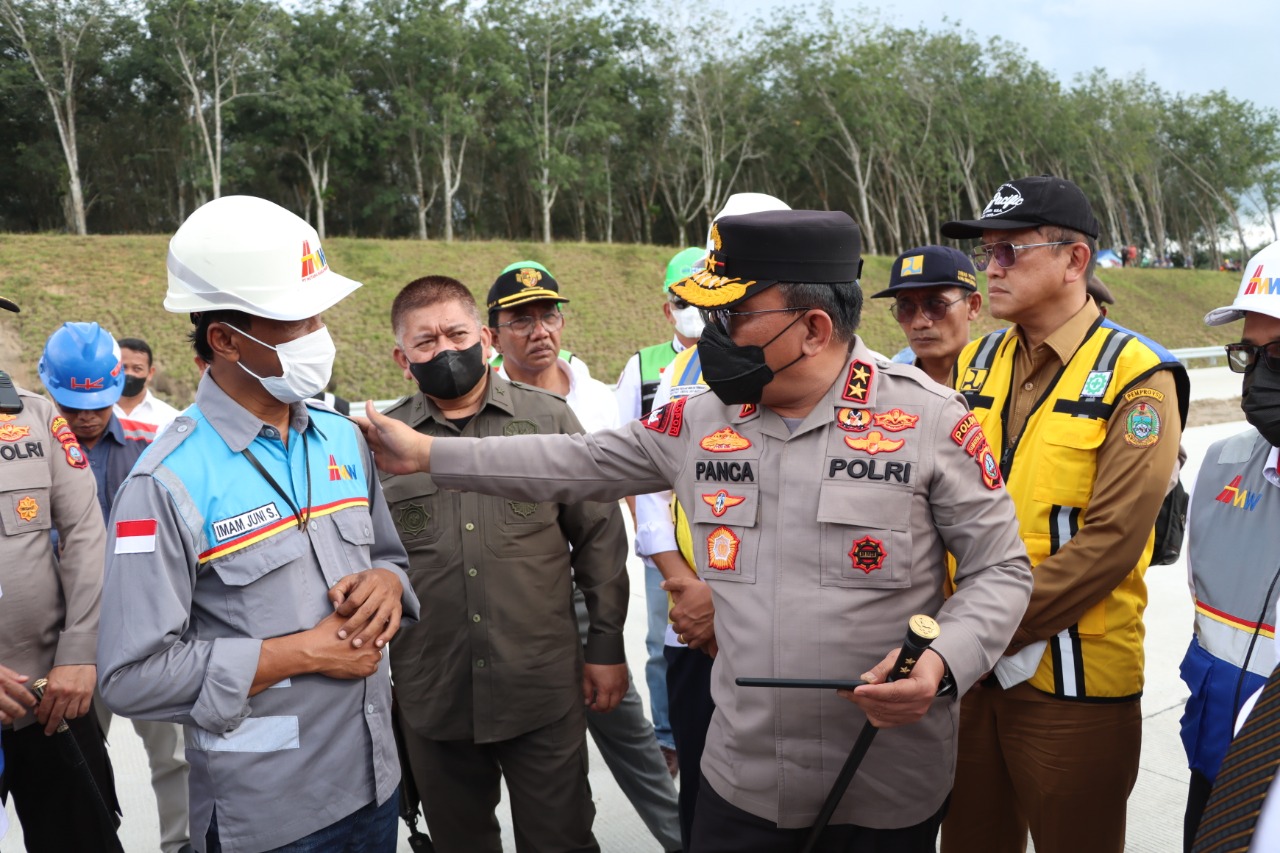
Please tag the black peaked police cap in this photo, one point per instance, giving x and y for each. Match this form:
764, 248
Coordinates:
1030, 203
755, 251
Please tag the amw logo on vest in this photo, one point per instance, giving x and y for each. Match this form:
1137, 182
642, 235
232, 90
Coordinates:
1238, 497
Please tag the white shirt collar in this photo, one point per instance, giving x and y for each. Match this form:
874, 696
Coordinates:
1273, 477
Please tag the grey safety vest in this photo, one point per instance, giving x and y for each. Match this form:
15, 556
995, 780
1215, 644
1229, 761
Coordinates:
1234, 551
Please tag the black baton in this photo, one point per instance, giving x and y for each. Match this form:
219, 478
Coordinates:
80, 772
921, 631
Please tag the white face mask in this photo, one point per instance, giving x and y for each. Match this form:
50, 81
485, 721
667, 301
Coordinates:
306, 363
688, 321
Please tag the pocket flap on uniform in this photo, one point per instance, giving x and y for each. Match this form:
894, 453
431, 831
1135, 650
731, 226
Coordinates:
406, 486
733, 505
885, 508
243, 567
24, 510
355, 526
1080, 433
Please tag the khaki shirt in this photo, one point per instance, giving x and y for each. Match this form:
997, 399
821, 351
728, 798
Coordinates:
497, 652
1130, 486
48, 606
818, 545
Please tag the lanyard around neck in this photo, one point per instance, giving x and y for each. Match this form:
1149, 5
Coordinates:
266, 475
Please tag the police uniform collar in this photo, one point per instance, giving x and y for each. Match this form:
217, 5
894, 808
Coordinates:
235, 424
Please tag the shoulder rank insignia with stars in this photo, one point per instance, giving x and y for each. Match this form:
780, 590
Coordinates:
857, 385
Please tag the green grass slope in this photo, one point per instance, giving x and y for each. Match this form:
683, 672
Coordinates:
615, 309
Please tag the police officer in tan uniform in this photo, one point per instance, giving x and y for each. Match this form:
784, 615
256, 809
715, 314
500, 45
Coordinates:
823, 506
49, 628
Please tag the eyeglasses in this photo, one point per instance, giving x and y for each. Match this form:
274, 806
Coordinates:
934, 308
1243, 358
1005, 253
720, 317
552, 321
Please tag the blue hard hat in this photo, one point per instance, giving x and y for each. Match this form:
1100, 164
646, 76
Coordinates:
81, 368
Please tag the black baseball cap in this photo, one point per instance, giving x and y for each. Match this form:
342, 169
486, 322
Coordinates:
1030, 203
755, 251
930, 266
521, 282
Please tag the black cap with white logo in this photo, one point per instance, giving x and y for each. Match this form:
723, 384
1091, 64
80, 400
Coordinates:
1030, 203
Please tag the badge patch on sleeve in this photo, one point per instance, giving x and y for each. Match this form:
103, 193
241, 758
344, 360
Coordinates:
963, 427
721, 501
668, 419
990, 469
874, 442
868, 554
136, 537
725, 440
895, 420
1142, 425
857, 385
722, 550
70, 445
853, 420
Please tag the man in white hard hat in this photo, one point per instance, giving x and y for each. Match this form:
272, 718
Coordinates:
254, 575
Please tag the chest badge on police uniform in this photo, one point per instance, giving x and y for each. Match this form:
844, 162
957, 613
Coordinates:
895, 420
722, 550
14, 432
725, 440
721, 501
868, 554
27, 508
874, 442
520, 427
412, 519
853, 420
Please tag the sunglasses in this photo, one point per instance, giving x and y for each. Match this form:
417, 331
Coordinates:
934, 308
1243, 358
1004, 253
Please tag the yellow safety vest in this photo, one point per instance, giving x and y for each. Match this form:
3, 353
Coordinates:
1049, 473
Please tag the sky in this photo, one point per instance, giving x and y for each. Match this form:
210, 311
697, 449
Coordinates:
1181, 46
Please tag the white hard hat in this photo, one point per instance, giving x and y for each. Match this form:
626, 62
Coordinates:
1259, 289
743, 203
241, 253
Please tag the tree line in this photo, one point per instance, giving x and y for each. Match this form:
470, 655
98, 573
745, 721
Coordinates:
589, 120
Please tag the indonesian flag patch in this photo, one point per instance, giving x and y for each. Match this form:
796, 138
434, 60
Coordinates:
136, 537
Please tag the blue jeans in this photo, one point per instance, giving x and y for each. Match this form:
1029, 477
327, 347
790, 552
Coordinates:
369, 829
655, 669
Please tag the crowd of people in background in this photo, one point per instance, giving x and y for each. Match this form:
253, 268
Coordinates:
321, 618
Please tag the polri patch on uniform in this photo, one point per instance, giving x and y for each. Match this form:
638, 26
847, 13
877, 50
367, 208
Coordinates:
853, 420
669, 419
1142, 425
137, 536
875, 442
721, 501
895, 420
14, 432
868, 554
722, 550
726, 440
990, 469
1095, 384
245, 522
412, 519
857, 385
27, 508
523, 426
960, 432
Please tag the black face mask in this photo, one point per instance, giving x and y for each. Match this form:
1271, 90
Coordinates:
450, 374
736, 374
133, 386
1260, 399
